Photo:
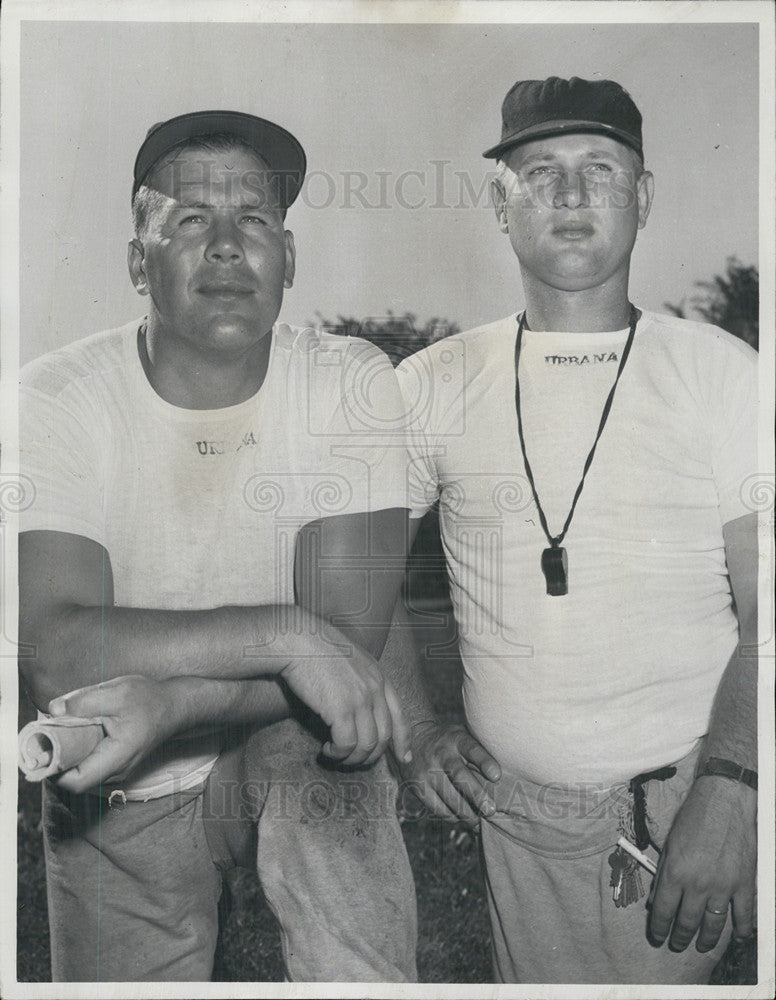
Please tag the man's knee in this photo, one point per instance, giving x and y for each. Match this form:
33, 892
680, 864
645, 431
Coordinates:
303, 786
276, 775
328, 849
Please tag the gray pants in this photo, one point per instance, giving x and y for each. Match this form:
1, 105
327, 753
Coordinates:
553, 919
133, 890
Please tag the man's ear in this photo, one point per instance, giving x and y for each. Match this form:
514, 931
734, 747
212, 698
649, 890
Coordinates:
135, 262
499, 198
288, 279
645, 190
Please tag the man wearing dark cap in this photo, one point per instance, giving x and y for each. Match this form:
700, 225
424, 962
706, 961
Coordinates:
590, 460
213, 487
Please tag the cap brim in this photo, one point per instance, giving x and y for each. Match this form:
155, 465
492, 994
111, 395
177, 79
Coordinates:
546, 129
280, 150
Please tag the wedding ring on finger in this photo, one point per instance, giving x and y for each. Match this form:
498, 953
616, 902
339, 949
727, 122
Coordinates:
717, 913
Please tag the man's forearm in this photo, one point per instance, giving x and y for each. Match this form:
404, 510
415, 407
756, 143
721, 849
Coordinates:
733, 726
201, 701
88, 645
400, 664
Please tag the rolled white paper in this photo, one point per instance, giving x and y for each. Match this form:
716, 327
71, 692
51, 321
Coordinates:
49, 746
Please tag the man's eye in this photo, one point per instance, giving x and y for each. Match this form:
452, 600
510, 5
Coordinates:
541, 170
603, 168
188, 219
255, 219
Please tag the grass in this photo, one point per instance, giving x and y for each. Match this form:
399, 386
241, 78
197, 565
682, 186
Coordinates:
453, 944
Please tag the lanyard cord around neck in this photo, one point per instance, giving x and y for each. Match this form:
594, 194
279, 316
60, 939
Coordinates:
556, 541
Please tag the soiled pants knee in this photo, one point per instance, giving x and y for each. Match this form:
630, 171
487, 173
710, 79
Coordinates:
328, 849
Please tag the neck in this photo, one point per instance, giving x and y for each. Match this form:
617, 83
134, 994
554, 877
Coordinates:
198, 380
592, 310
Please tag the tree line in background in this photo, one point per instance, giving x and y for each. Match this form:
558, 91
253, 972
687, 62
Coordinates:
730, 300
397, 336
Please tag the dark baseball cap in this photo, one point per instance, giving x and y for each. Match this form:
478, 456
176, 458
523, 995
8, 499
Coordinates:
534, 109
280, 150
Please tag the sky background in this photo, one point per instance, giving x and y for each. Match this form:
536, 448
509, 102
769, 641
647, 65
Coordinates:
376, 101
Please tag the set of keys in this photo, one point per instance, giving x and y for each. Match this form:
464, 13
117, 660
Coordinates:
627, 885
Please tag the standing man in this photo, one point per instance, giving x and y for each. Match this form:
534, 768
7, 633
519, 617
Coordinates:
215, 492
589, 459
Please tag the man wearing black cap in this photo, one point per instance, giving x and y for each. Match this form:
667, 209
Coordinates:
212, 488
591, 472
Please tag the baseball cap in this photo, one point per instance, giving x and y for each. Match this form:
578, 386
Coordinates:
534, 109
280, 150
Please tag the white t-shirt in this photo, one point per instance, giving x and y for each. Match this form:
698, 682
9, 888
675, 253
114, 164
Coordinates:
201, 508
618, 676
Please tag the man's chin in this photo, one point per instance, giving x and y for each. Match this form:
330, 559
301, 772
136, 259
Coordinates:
579, 273
234, 335
576, 283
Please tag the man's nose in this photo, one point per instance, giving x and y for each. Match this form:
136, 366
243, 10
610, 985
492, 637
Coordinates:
571, 190
225, 245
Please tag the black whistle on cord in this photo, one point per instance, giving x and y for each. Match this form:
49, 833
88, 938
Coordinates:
555, 567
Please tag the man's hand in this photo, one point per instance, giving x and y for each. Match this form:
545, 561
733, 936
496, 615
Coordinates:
449, 772
137, 714
353, 698
709, 859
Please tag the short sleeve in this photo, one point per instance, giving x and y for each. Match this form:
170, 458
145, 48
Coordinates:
362, 444
734, 429
421, 472
58, 455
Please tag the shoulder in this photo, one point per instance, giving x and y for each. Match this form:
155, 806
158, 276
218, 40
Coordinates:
476, 349
447, 379
79, 363
701, 344
335, 374
324, 354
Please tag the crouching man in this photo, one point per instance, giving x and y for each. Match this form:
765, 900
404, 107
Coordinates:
216, 493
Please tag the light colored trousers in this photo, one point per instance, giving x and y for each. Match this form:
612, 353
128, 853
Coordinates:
133, 890
553, 919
